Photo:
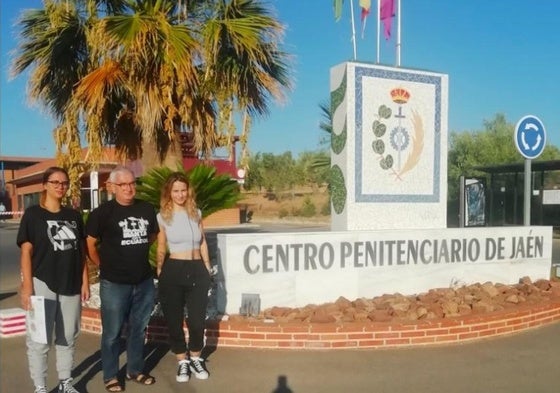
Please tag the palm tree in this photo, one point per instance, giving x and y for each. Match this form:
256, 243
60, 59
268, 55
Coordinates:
55, 45
136, 73
325, 125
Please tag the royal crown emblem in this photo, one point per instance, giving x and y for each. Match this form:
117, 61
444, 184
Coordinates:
401, 152
400, 95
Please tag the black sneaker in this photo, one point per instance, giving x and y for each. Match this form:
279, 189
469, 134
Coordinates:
65, 386
198, 368
183, 372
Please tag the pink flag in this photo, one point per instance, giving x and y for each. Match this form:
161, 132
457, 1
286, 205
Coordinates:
386, 15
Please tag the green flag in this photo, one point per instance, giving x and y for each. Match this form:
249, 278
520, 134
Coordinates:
337, 9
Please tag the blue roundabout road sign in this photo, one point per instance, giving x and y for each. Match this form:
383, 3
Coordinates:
530, 136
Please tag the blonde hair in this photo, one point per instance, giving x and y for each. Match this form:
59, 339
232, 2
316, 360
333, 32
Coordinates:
166, 203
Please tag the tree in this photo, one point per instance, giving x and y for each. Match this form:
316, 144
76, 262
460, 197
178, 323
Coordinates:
277, 173
313, 174
135, 73
324, 161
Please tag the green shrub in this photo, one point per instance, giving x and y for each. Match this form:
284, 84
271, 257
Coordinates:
308, 208
326, 209
283, 212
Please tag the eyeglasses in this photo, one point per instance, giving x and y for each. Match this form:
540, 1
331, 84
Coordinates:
56, 183
125, 185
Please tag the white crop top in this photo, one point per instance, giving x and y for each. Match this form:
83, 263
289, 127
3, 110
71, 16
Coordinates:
183, 233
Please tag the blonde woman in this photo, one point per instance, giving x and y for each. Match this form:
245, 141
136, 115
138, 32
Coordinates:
51, 238
184, 275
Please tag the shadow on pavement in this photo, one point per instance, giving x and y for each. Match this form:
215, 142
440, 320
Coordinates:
90, 367
7, 295
282, 385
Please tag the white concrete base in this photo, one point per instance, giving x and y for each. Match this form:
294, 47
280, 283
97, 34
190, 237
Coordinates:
296, 269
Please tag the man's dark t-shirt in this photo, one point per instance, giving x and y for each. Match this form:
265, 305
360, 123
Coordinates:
123, 233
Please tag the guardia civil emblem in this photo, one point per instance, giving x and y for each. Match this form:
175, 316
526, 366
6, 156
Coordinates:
398, 135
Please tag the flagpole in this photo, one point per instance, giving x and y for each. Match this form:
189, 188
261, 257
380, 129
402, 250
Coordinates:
398, 33
353, 27
378, 28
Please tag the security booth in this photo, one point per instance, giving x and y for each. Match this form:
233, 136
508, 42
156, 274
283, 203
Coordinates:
504, 193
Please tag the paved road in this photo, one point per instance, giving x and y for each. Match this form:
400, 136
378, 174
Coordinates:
522, 363
9, 258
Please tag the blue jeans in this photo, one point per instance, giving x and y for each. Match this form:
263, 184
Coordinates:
124, 303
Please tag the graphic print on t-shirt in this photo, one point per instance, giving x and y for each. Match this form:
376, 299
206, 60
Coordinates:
62, 234
135, 231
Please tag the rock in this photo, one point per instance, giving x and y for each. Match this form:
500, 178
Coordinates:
276, 312
525, 280
400, 306
470, 299
512, 299
482, 307
361, 316
555, 289
436, 310
543, 285
464, 309
322, 318
379, 316
449, 307
343, 303
421, 312
437, 303
490, 289
363, 304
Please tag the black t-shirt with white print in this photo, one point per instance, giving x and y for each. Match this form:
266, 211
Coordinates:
57, 240
123, 233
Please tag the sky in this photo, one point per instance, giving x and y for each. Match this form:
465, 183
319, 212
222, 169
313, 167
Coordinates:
501, 56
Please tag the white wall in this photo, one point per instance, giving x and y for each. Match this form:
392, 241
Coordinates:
296, 269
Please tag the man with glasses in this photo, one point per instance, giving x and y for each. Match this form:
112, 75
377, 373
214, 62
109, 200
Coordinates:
119, 235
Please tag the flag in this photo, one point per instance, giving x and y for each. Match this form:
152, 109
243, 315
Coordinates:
337, 4
386, 14
365, 5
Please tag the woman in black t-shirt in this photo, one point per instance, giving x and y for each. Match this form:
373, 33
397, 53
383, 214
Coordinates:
53, 268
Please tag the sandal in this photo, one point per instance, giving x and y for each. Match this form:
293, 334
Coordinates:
113, 385
142, 379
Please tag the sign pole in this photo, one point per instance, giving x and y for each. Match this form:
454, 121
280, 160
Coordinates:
527, 194
94, 189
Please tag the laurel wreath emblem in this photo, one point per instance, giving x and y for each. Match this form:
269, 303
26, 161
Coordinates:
399, 140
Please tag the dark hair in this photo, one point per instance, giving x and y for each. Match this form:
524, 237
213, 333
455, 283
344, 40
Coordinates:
53, 169
46, 175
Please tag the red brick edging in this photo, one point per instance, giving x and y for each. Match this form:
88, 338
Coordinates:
259, 334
